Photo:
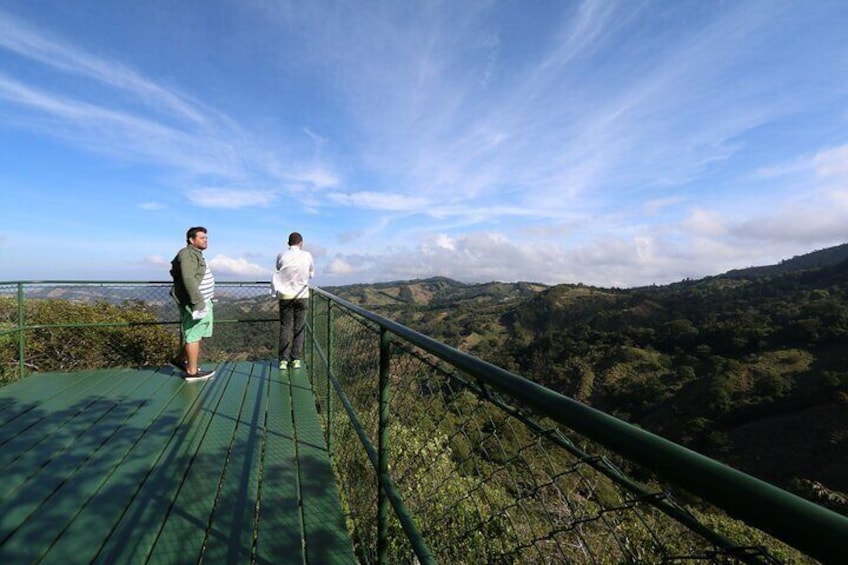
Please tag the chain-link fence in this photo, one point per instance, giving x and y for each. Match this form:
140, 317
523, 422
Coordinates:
480, 476
76, 325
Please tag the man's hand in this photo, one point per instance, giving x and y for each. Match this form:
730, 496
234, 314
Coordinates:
199, 314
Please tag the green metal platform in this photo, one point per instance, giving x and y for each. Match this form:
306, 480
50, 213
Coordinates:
137, 465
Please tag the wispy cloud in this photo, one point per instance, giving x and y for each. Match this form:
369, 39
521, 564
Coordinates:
379, 201
832, 162
17, 36
230, 198
118, 112
156, 261
705, 223
827, 163
543, 130
652, 207
340, 267
318, 177
114, 132
151, 206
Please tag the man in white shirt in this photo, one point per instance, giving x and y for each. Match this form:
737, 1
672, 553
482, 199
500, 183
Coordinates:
291, 286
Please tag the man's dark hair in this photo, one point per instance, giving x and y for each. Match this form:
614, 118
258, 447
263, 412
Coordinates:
192, 233
295, 238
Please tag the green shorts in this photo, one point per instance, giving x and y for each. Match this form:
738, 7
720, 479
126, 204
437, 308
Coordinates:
195, 330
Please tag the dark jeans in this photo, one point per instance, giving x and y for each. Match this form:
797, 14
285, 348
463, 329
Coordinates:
292, 328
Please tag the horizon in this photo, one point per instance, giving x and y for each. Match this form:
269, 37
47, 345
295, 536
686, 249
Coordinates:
425, 279
602, 143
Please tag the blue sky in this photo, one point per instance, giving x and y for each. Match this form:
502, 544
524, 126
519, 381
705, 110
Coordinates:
613, 143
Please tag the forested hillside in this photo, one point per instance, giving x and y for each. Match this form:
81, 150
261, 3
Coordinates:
750, 367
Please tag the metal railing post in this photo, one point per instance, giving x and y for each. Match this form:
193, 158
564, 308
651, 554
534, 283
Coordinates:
383, 450
309, 365
329, 409
21, 333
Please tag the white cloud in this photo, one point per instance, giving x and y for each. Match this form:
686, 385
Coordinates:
653, 207
705, 222
156, 261
840, 197
230, 198
340, 267
474, 257
826, 163
597, 252
782, 170
240, 267
318, 139
151, 206
832, 162
316, 177
796, 225
379, 201
557, 230
443, 241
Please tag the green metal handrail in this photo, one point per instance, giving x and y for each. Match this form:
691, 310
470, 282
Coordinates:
802, 524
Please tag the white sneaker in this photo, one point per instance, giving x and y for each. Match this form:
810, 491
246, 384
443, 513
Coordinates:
199, 375
295, 364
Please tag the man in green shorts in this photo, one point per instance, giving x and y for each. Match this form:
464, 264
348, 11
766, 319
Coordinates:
194, 289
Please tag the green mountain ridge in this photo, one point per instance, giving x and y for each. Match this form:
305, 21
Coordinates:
828, 257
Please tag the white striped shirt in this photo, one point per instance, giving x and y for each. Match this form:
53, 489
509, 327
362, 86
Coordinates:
207, 285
